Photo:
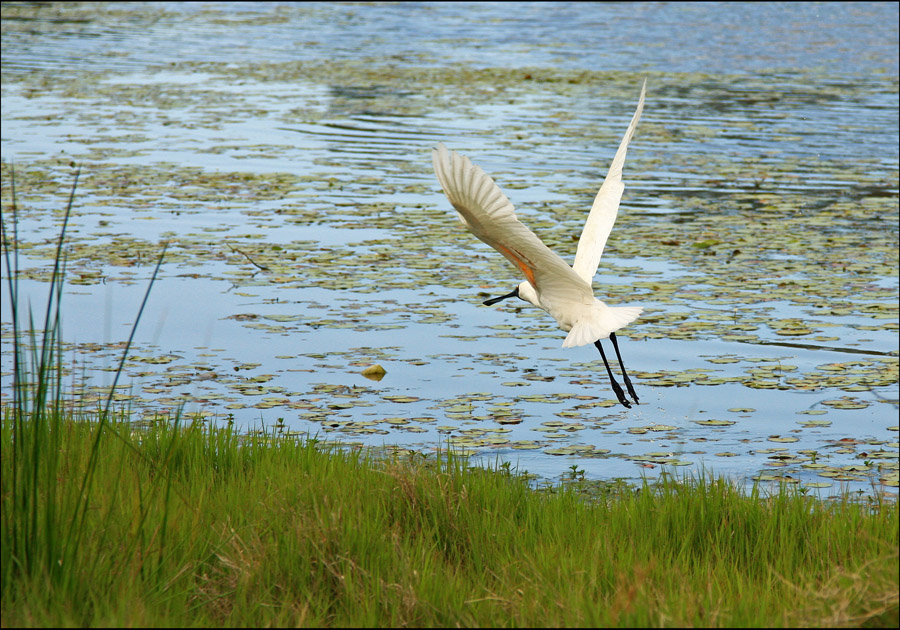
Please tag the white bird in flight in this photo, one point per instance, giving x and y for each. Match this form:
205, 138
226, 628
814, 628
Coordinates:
563, 291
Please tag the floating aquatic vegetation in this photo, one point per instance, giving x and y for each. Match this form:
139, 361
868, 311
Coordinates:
374, 372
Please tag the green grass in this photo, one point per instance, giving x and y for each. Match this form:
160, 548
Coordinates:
191, 526
182, 524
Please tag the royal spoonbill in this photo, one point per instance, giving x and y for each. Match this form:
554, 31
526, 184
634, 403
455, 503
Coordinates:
563, 291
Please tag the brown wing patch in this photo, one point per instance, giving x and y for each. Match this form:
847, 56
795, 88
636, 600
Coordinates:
527, 271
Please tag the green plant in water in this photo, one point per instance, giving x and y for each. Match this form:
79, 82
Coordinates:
43, 512
575, 473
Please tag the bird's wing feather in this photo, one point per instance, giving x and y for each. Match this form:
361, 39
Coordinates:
490, 216
606, 205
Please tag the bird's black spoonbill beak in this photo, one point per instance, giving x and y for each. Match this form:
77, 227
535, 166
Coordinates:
493, 301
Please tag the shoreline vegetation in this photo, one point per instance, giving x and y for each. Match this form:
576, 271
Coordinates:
178, 523
185, 525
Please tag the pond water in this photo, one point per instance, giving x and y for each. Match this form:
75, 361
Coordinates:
283, 153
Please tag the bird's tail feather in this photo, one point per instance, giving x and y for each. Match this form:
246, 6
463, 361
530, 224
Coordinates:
602, 321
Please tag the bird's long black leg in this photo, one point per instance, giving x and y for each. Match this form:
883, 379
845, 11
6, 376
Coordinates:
612, 379
627, 380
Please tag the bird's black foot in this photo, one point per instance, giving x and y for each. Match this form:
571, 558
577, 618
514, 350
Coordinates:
615, 343
612, 379
621, 395
631, 391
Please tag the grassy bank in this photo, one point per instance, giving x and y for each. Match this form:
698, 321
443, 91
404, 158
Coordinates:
183, 526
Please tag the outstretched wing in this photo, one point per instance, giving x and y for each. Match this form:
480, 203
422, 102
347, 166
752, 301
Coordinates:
606, 205
490, 216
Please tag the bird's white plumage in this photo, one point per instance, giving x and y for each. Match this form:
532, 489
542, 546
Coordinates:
489, 215
551, 284
606, 206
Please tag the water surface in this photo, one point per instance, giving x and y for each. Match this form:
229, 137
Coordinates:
283, 152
